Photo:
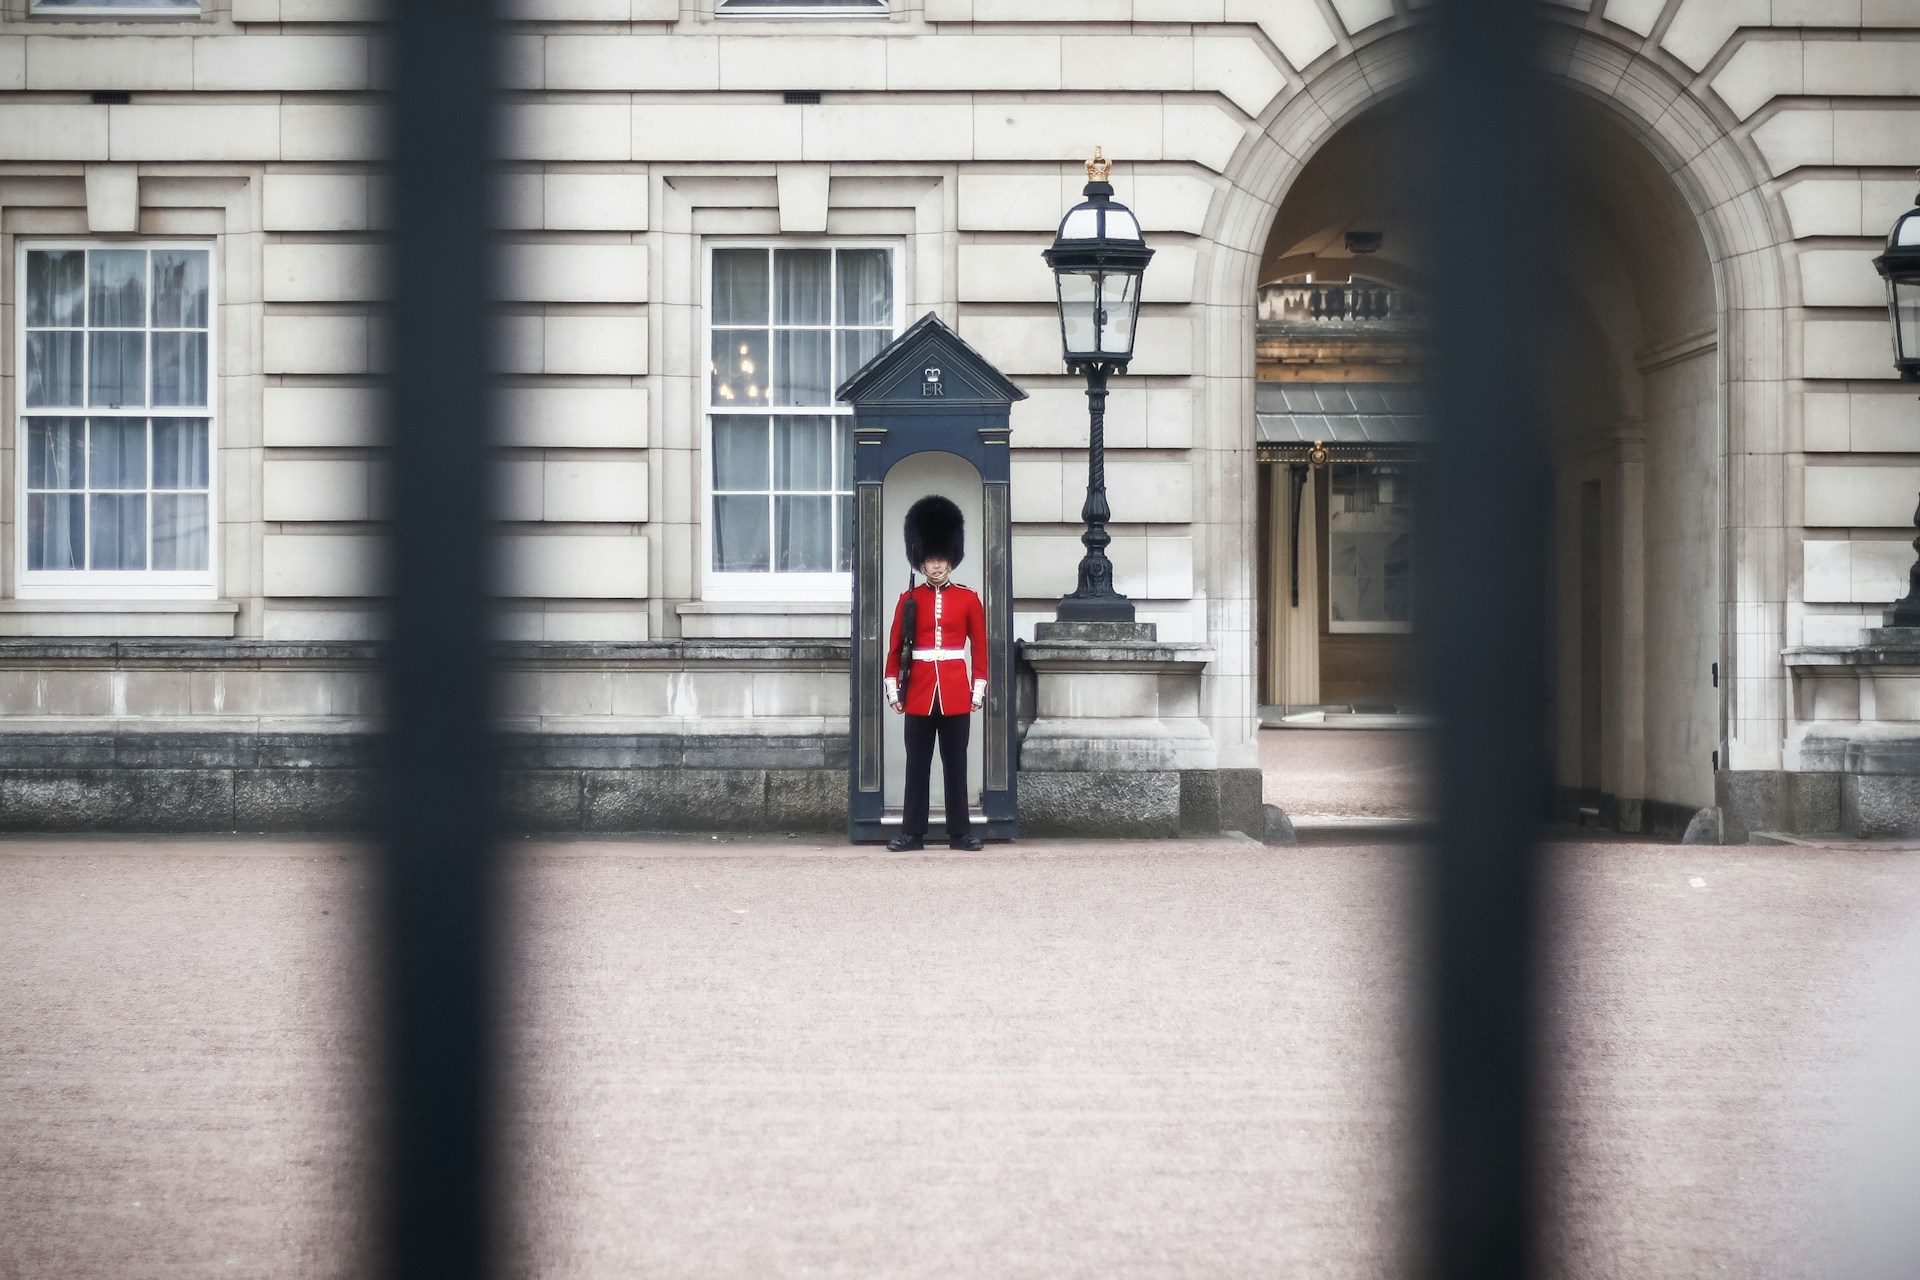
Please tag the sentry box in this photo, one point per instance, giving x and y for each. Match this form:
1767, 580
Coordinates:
929, 416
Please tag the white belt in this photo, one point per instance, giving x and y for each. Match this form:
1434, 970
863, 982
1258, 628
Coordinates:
937, 655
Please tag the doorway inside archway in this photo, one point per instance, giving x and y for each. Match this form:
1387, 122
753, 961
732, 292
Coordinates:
1637, 438
1337, 411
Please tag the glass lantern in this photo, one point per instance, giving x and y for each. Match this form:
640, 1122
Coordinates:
1899, 266
1097, 260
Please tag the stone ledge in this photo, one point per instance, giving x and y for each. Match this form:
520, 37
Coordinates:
129, 651
26, 749
672, 652
171, 619
1117, 655
1857, 655
110, 651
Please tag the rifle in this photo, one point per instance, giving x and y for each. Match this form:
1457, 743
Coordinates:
909, 624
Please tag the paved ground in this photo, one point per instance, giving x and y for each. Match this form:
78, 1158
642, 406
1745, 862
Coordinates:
1053, 1060
1345, 773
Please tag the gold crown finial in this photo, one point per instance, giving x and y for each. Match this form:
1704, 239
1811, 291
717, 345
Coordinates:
1099, 169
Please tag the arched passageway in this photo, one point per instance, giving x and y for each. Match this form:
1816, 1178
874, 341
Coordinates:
1637, 446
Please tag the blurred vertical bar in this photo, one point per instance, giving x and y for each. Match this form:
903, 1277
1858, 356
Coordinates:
1486, 226
439, 802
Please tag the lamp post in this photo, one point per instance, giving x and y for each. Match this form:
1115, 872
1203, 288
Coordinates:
1899, 266
1097, 259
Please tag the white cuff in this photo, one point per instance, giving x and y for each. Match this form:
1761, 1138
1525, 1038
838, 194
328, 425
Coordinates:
979, 690
893, 689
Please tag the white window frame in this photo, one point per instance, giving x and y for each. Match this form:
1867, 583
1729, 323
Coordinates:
1337, 626
776, 9
107, 9
116, 584
771, 585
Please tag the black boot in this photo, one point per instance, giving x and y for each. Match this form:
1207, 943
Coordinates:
969, 842
905, 844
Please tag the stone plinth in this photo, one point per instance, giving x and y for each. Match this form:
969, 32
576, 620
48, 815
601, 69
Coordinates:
1854, 742
1117, 745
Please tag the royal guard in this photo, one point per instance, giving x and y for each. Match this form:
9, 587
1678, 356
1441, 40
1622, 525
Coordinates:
928, 677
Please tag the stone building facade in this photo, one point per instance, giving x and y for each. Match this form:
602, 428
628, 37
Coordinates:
705, 190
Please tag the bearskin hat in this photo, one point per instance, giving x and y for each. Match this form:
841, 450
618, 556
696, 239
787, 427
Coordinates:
935, 528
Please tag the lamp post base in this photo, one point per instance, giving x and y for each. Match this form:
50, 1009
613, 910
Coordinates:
1104, 608
1097, 632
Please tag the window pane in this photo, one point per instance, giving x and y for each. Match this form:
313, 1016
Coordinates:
1077, 306
1369, 545
54, 365
179, 289
116, 369
1398, 586
56, 287
179, 530
740, 286
117, 536
179, 453
740, 453
1905, 299
56, 457
1353, 593
740, 534
856, 347
866, 287
843, 478
801, 370
180, 368
183, 6
800, 279
740, 374
844, 562
805, 534
117, 454
1117, 305
117, 288
1081, 224
803, 453
56, 531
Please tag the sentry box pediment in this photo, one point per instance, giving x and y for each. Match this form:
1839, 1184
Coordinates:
930, 369
930, 415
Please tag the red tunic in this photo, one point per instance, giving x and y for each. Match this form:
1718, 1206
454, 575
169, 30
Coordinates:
946, 619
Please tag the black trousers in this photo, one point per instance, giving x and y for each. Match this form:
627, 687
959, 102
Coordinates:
952, 731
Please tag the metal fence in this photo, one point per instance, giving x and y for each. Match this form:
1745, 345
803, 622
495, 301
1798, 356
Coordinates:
1487, 199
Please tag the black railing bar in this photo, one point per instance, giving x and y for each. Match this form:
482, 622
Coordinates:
1485, 538
438, 806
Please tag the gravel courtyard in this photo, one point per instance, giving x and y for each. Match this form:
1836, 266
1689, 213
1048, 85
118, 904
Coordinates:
1053, 1059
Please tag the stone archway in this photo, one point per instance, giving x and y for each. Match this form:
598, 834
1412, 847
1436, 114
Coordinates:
1716, 187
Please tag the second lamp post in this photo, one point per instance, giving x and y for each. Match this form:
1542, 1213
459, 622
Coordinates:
1097, 258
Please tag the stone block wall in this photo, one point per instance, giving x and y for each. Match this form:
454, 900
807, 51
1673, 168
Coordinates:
660, 736
640, 131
